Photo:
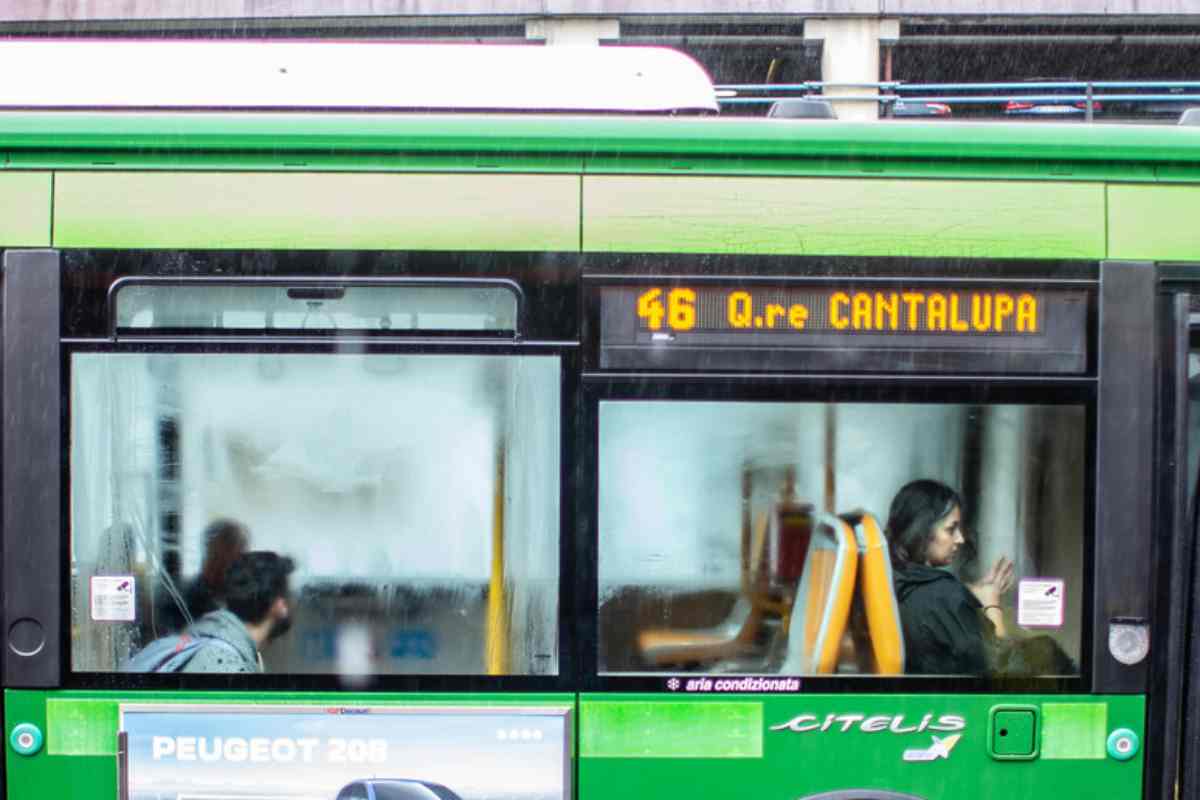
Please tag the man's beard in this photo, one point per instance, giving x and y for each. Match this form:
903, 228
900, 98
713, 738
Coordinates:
279, 627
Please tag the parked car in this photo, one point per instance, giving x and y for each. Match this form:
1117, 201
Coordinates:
1049, 107
1164, 109
919, 108
801, 108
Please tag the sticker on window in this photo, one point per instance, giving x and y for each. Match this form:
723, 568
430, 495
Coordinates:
113, 598
1040, 602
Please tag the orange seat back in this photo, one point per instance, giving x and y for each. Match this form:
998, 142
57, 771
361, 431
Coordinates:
879, 598
823, 597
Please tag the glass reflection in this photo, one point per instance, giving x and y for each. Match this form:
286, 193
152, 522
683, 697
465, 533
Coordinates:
418, 496
758, 537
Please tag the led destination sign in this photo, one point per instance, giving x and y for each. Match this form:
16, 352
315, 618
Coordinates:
952, 311
961, 328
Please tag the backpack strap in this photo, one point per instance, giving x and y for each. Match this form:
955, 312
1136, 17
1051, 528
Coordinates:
173, 653
206, 642
158, 653
188, 647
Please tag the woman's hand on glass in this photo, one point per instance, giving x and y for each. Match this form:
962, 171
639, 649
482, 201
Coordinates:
995, 583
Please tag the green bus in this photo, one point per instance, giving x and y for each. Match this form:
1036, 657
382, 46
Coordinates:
595, 455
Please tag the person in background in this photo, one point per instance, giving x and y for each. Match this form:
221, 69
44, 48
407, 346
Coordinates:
947, 624
257, 612
224, 542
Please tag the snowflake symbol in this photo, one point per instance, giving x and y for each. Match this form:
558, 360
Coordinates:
673, 684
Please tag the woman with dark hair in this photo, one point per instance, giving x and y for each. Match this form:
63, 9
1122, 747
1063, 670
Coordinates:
945, 621
225, 541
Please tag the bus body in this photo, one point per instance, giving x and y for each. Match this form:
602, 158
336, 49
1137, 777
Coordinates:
583, 434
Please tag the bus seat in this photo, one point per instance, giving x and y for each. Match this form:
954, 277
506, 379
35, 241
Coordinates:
823, 598
878, 597
735, 637
775, 548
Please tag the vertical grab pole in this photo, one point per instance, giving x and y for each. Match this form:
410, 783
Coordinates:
747, 523
830, 458
497, 646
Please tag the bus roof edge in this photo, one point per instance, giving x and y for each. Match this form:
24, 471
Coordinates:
281, 75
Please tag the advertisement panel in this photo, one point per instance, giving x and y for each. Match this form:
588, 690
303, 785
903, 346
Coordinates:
231, 752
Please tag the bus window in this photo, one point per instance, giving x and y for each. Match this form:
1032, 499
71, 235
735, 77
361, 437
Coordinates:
750, 537
389, 480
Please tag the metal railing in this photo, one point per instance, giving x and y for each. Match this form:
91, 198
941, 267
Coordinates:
1087, 93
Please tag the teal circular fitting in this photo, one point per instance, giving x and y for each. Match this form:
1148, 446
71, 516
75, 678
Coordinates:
1123, 744
26, 738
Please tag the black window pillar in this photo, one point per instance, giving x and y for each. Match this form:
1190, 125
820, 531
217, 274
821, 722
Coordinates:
32, 469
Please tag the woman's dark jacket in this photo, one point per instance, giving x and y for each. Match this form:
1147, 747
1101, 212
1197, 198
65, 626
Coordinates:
942, 621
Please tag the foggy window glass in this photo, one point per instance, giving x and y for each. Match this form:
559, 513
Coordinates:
754, 538
416, 495
304, 307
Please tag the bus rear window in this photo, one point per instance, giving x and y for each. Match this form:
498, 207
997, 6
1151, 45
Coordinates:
310, 306
841, 539
415, 499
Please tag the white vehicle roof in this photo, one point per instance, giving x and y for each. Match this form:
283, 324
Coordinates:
280, 75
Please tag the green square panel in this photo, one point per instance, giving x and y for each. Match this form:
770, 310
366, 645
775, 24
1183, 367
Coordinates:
1074, 730
843, 216
1153, 222
316, 211
81, 727
25, 209
614, 729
